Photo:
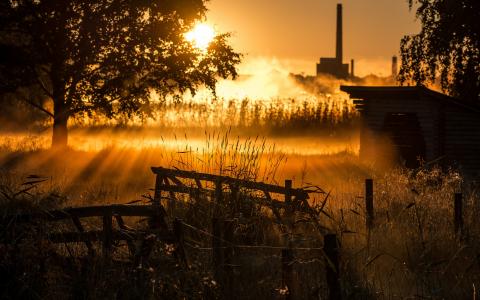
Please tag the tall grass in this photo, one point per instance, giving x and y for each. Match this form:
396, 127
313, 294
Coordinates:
412, 252
269, 116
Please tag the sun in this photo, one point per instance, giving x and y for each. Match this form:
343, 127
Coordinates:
201, 36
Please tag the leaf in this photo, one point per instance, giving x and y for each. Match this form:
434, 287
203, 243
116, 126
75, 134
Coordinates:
34, 182
325, 213
7, 196
373, 259
35, 177
147, 196
24, 191
410, 205
134, 201
355, 212
325, 201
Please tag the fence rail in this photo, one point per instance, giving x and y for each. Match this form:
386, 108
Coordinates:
223, 244
92, 211
169, 183
278, 189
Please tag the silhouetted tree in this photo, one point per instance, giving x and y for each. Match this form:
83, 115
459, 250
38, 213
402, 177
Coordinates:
447, 47
105, 56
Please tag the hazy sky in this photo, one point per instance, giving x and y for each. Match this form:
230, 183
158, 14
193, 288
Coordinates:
299, 32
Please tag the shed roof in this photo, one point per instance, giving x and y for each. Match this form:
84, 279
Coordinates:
393, 93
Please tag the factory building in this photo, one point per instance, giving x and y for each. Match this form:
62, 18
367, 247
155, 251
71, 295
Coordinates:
334, 65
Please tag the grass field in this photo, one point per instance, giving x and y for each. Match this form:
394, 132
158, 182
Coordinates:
412, 251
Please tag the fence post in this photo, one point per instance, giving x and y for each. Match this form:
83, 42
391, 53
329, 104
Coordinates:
331, 248
369, 203
458, 214
172, 202
289, 211
288, 193
287, 273
107, 236
229, 282
157, 194
218, 197
288, 276
234, 202
180, 251
217, 249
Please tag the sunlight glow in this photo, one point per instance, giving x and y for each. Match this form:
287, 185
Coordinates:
201, 36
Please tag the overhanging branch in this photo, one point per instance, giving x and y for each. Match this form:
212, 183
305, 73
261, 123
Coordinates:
39, 107
42, 85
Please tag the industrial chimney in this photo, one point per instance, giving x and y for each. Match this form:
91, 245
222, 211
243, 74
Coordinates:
334, 65
352, 68
339, 52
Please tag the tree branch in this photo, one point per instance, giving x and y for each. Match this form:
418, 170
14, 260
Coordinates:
44, 88
39, 107
92, 106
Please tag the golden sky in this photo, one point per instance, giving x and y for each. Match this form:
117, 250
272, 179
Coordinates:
299, 32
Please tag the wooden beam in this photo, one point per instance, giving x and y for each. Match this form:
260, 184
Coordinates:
91, 211
157, 196
274, 209
121, 224
116, 235
175, 180
79, 226
188, 190
218, 201
212, 193
173, 199
227, 180
107, 241
179, 236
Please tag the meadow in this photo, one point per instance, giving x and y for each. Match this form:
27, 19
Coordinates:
412, 252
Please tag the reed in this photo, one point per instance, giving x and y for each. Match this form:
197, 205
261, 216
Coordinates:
411, 252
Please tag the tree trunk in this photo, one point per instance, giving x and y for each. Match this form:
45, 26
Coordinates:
60, 120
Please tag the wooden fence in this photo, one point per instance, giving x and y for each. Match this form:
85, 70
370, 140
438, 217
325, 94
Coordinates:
283, 201
224, 190
221, 191
111, 233
457, 217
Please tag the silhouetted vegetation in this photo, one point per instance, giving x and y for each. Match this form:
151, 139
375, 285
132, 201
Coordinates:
104, 57
412, 250
448, 46
123, 69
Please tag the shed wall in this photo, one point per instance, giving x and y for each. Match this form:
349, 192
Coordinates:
427, 112
462, 139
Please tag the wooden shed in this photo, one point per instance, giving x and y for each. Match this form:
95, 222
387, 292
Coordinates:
405, 124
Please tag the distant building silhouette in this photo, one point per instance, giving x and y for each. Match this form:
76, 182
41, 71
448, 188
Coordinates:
352, 69
394, 67
334, 65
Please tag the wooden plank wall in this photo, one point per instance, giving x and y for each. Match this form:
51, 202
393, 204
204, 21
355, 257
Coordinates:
450, 131
427, 110
462, 139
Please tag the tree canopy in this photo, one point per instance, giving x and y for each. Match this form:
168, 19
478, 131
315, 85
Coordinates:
105, 56
447, 47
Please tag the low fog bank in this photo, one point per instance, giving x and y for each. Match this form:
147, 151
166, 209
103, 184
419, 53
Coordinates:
268, 89
270, 78
94, 140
